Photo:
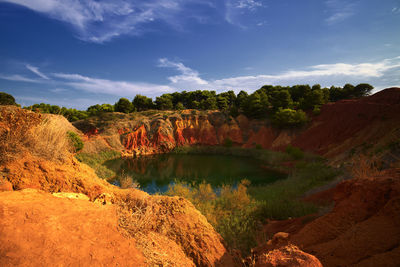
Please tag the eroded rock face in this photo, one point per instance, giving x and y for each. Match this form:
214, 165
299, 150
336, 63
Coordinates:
340, 127
362, 229
280, 252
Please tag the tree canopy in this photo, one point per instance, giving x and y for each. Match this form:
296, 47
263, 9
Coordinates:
283, 105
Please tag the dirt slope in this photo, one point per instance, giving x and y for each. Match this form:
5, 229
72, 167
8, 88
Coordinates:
362, 229
37, 229
348, 124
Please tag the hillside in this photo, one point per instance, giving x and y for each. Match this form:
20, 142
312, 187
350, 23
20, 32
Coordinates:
55, 210
370, 123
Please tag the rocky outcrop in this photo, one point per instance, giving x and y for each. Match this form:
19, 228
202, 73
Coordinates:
58, 212
362, 229
280, 252
370, 122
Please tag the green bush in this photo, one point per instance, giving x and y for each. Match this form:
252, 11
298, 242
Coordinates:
289, 118
231, 211
75, 140
294, 152
7, 99
317, 110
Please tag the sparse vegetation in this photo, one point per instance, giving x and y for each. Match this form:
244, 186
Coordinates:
49, 140
76, 141
96, 161
294, 152
231, 211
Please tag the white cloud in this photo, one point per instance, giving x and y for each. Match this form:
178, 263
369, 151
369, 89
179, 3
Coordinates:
102, 20
17, 78
236, 9
322, 74
396, 10
36, 71
104, 86
187, 74
58, 90
248, 4
382, 74
340, 9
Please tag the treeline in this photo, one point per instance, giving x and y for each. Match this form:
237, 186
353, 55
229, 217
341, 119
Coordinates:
285, 106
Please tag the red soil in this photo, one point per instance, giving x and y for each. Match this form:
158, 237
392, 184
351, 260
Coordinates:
37, 229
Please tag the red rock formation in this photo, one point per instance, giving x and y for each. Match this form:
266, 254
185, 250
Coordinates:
279, 252
363, 227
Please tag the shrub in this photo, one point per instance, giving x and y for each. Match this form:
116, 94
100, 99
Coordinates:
288, 118
15, 128
231, 211
75, 140
294, 152
317, 110
7, 99
49, 139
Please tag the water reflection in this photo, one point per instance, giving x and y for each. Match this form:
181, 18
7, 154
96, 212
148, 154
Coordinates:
155, 173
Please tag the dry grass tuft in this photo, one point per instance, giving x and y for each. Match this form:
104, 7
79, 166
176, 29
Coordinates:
364, 167
24, 131
126, 182
49, 140
15, 126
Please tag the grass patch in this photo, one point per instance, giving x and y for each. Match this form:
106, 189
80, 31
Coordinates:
96, 162
231, 211
236, 212
281, 200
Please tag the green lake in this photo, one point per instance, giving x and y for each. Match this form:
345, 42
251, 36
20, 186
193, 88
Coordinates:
155, 173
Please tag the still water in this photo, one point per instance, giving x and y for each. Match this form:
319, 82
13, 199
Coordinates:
155, 173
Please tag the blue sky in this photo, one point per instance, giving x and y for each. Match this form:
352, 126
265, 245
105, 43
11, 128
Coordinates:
77, 53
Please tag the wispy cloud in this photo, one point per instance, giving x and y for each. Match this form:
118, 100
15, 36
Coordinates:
187, 74
102, 20
36, 71
381, 74
396, 10
17, 78
235, 9
104, 86
247, 4
325, 74
339, 10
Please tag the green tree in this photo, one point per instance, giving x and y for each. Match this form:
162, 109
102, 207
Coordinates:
257, 105
280, 98
241, 100
222, 102
7, 99
312, 99
123, 105
289, 118
141, 103
348, 90
336, 93
164, 102
362, 89
179, 106
209, 104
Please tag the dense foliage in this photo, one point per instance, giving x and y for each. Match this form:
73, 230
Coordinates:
7, 99
285, 106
